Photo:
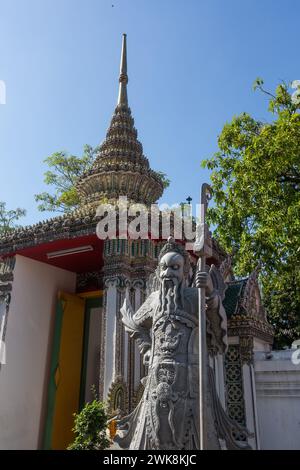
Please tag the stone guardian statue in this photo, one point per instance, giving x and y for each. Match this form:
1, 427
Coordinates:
166, 330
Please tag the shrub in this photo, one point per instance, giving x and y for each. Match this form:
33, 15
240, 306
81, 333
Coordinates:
90, 428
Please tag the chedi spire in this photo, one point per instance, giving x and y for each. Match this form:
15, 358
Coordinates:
120, 167
123, 78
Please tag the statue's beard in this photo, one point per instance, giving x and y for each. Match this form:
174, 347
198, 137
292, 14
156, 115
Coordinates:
170, 295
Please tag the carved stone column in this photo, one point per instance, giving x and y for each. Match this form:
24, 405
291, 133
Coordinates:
130, 293
220, 379
109, 327
246, 352
246, 349
126, 358
138, 285
120, 335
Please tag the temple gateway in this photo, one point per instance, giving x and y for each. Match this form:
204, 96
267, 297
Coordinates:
61, 329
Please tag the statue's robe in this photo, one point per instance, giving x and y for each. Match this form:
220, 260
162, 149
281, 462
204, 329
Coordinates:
167, 417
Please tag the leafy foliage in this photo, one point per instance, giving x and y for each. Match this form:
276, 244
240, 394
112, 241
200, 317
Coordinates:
8, 218
65, 170
63, 175
256, 187
164, 179
90, 428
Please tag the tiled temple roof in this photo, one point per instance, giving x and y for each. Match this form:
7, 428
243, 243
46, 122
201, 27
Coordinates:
120, 169
245, 312
233, 295
80, 222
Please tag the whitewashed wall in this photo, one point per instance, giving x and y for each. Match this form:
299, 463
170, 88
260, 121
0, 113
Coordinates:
24, 378
278, 400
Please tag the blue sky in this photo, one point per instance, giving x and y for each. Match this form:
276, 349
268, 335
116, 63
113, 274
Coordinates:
191, 65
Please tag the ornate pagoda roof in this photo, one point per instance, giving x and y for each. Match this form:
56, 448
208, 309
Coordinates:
120, 168
233, 297
245, 312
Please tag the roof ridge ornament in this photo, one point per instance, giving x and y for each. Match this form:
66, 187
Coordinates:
123, 78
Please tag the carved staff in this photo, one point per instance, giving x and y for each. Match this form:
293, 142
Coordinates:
203, 249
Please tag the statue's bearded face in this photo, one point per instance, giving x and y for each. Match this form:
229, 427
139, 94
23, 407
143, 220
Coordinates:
171, 268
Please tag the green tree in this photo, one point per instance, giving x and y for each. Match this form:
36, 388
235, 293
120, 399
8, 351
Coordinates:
63, 175
8, 218
64, 172
164, 178
256, 188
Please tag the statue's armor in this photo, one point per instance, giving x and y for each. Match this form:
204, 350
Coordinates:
167, 416
171, 391
173, 378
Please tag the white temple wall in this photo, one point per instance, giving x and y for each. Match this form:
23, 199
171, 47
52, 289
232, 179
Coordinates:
259, 345
24, 377
277, 382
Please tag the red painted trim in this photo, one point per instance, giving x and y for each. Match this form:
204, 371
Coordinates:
79, 262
